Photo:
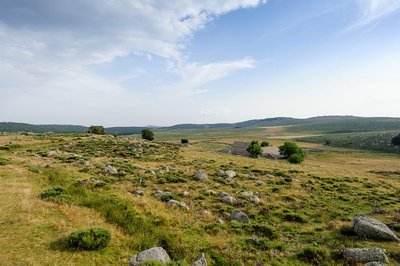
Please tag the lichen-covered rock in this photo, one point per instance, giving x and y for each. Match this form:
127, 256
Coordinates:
239, 217
159, 194
230, 174
247, 193
173, 203
200, 261
138, 192
110, 170
229, 200
153, 254
368, 227
254, 199
201, 176
364, 255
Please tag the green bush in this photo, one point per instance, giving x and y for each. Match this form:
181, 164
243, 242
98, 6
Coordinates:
255, 149
4, 161
56, 194
396, 140
98, 130
264, 144
292, 152
265, 230
315, 255
297, 157
147, 134
89, 239
184, 141
293, 217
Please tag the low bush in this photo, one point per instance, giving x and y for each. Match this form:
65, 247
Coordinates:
56, 194
264, 144
265, 230
294, 217
297, 157
315, 255
4, 161
184, 141
255, 149
89, 239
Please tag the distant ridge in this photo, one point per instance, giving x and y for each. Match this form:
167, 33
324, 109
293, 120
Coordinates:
327, 124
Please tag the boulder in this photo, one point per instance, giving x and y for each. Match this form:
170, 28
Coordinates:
259, 182
138, 192
200, 261
219, 221
223, 194
229, 200
239, 217
210, 192
254, 199
159, 194
230, 174
110, 170
185, 194
153, 254
247, 193
368, 227
173, 203
375, 263
201, 176
365, 255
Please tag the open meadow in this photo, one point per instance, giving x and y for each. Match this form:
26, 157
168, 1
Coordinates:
300, 214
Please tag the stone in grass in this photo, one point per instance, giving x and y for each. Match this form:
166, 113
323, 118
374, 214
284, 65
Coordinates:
229, 200
201, 176
368, 227
110, 170
254, 199
173, 203
230, 174
156, 254
200, 260
159, 194
247, 193
138, 192
375, 263
365, 255
239, 217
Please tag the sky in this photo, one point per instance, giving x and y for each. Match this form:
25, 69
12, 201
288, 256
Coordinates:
156, 62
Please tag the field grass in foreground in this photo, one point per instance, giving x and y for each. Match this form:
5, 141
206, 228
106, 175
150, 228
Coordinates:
302, 206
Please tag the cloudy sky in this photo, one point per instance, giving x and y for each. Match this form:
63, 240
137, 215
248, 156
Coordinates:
141, 62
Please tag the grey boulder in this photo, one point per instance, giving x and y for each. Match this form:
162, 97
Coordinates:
239, 217
111, 170
200, 176
368, 227
229, 200
153, 254
200, 261
365, 255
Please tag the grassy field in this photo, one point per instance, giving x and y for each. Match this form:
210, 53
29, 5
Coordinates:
302, 206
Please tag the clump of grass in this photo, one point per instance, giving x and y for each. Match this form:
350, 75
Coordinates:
315, 255
89, 239
4, 161
347, 230
9, 147
166, 198
265, 230
293, 217
56, 194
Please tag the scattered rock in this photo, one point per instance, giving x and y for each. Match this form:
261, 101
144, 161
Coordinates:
226, 215
250, 176
223, 194
173, 203
210, 192
219, 221
229, 200
153, 254
259, 182
159, 194
82, 162
185, 194
200, 261
365, 226
111, 170
205, 213
239, 217
247, 193
230, 174
269, 176
201, 176
375, 263
138, 192
52, 153
364, 255
255, 199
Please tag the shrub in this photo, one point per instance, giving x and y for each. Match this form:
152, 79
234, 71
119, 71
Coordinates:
89, 239
292, 152
4, 161
396, 140
147, 134
255, 149
184, 141
314, 255
166, 198
297, 157
56, 194
98, 130
294, 217
264, 144
265, 230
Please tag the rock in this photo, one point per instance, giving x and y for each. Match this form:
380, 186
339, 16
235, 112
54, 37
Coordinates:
205, 213
138, 192
52, 154
110, 170
219, 221
173, 203
250, 176
200, 261
247, 193
365, 226
255, 199
259, 182
230, 174
153, 254
364, 255
201, 176
226, 215
159, 194
375, 263
239, 217
185, 193
229, 200
269, 176
223, 194
210, 192
82, 162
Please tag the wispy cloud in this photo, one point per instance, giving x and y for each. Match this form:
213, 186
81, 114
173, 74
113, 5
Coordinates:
374, 10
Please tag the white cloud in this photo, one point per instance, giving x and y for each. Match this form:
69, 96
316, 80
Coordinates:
374, 10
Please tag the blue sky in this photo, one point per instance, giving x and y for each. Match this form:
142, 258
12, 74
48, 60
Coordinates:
120, 62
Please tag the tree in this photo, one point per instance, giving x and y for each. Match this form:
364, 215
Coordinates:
147, 134
265, 143
98, 130
396, 140
292, 152
255, 149
184, 141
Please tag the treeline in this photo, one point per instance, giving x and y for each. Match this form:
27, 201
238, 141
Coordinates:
22, 127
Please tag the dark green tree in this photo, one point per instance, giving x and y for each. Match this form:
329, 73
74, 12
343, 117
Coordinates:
292, 152
396, 140
265, 143
98, 130
255, 149
147, 134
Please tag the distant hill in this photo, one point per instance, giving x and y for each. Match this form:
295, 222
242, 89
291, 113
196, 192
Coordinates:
326, 124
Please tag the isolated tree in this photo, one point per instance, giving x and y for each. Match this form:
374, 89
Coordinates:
396, 140
292, 152
265, 143
255, 149
98, 130
147, 134
184, 141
